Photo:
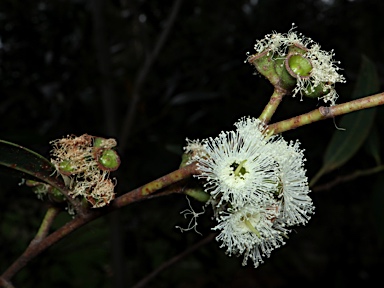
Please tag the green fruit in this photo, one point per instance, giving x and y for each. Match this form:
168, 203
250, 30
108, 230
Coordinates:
299, 65
66, 167
109, 160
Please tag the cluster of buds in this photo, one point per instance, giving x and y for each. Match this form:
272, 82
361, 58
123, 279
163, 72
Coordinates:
85, 163
296, 64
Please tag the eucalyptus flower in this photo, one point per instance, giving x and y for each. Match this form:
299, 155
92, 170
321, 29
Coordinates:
238, 168
257, 185
251, 231
295, 204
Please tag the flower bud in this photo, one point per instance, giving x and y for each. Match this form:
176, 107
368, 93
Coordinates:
198, 193
66, 167
107, 159
298, 66
104, 143
316, 91
56, 196
273, 69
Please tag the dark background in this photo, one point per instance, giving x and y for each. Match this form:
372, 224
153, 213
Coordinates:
76, 66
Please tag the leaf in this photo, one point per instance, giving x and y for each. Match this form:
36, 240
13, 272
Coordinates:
29, 162
344, 144
372, 145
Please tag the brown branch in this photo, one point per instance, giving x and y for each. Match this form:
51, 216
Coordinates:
142, 193
142, 75
345, 178
5, 284
173, 260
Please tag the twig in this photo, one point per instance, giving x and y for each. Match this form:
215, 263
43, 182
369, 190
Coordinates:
142, 75
144, 192
5, 284
327, 112
173, 260
49, 217
345, 178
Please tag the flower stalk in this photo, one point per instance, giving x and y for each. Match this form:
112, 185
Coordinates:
272, 105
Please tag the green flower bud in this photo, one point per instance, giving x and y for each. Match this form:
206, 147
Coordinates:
298, 66
286, 81
66, 167
266, 66
184, 160
108, 159
100, 142
32, 183
297, 49
56, 196
197, 193
315, 92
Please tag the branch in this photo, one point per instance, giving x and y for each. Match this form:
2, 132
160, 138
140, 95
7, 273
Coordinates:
142, 193
345, 178
327, 112
173, 260
49, 217
142, 75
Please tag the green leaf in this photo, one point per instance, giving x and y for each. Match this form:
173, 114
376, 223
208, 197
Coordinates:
29, 162
345, 143
372, 145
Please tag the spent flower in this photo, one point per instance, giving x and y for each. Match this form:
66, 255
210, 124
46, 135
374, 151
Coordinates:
315, 70
84, 162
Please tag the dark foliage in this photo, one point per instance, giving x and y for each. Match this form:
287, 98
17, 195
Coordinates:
53, 83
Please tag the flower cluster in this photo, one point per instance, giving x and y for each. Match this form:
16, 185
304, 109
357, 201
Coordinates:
257, 185
315, 70
84, 162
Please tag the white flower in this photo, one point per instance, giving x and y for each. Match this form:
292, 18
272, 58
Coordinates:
258, 188
296, 206
253, 230
238, 167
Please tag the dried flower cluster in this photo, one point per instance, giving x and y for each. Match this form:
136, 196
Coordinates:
257, 185
85, 163
323, 73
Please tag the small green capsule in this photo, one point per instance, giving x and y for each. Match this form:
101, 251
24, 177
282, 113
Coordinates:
314, 92
108, 160
298, 66
98, 142
66, 167
56, 196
